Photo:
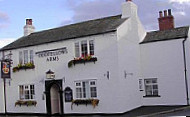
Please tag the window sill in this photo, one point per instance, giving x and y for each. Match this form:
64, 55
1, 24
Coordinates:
151, 96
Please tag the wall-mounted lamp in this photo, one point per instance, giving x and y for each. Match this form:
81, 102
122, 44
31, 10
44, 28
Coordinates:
50, 74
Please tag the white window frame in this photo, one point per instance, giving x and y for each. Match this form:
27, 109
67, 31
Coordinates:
80, 48
26, 56
30, 95
20, 57
83, 89
31, 56
152, 83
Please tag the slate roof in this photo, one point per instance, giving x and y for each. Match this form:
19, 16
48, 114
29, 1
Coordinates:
176, 33
92, 27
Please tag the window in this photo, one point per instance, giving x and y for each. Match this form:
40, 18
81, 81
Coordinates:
31, 56
27, 92
26, 56
140, 84
151, 87
84, 48
91, 43
77, 50
86, 89
20, 57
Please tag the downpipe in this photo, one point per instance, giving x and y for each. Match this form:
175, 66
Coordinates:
185, 70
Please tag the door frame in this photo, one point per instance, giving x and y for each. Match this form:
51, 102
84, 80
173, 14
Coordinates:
48, 85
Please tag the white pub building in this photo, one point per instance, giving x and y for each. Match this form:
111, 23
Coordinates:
102, 66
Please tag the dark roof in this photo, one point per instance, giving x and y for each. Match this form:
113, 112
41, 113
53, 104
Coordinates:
92, 27
176, 33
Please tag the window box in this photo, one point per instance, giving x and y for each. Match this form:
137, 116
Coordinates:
23, 67
83, 60
25, 103
94, 102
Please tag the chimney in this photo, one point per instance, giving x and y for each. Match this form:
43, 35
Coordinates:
28, 28
129, 9
166, 22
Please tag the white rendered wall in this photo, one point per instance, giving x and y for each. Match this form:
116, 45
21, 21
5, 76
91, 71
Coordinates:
106, 53
130, 33
164, 60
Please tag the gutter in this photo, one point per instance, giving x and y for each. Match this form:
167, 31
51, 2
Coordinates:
185, 70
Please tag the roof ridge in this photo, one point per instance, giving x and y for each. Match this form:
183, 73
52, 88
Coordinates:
103, 18
169, 29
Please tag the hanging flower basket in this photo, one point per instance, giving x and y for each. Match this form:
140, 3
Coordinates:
23, 67
25, 103
93, 102
83, 60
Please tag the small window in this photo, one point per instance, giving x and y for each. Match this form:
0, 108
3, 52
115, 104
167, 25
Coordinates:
86, 89
31, 56
91, 44
25, 56
84, 48
20, 57
27, 92
77, 50
151, 87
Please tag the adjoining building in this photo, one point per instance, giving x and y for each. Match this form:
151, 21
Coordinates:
108, 65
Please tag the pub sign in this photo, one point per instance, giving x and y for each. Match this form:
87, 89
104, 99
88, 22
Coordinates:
68, 94
5, 69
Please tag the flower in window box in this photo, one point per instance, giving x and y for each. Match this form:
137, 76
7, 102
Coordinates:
25, 66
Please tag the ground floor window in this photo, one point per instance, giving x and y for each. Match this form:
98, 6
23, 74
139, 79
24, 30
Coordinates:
86, 89
151, 87
26, 92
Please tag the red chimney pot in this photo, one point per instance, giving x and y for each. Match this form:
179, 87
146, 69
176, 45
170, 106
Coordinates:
28, 21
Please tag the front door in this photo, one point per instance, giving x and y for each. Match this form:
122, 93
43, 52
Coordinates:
54, 97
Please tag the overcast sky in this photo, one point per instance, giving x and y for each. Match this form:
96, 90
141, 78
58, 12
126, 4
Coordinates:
48, 14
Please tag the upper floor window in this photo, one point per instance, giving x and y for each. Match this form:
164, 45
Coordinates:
26, 56
151, 87
26, 92
86, 89
84, 48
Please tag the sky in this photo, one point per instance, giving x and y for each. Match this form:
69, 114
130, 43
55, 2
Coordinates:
47, 14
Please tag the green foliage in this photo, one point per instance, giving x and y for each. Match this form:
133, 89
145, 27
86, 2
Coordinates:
25, 66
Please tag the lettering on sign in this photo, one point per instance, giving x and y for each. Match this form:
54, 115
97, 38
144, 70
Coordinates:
52, 55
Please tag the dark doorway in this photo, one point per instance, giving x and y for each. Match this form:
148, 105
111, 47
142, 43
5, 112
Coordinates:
54, 97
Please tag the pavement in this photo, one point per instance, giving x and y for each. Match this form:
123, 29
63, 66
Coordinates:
144, 111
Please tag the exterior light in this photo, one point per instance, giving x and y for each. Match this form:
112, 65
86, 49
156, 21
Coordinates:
50, 74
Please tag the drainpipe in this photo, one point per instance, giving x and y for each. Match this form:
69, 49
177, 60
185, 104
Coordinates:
185, 70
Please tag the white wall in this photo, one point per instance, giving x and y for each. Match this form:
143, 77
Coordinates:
164, 60
106, 53
130, 33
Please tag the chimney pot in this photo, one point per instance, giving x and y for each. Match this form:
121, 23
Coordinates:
161, 14
128, 0
169, 12
165, 13
28, 21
